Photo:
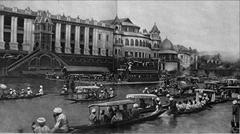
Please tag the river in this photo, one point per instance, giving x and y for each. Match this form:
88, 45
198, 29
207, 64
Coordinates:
18, 115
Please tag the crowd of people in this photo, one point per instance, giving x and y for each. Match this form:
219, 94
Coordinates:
13, 93
194, 104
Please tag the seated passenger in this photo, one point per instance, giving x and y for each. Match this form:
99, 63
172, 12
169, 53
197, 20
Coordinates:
111, 92
117, 116
146, 91
40, 92
93, 117
125, 113
103, 117
142, 103
110, 113
64, 89
10, 91
29, 91
135, 111
14, 93
22, 93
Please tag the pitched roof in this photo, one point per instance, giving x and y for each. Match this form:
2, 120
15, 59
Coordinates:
154, 29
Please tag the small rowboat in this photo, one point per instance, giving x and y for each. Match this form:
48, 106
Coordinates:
196, 110
143, 117
90, 99
21, 97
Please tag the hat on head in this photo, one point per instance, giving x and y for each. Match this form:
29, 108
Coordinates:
41, 86
135, 105
158, 99
205, 94
146, 87
10, 89
111, 88
41, 120
93, 110
234, 102
171, 98
57, 110
28, 87
168, 95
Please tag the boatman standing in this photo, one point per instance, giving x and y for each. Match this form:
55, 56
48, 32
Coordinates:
61, 122
235, 113
41, 127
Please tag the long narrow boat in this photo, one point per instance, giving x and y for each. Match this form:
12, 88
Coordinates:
90, 99
143, 117
21, 97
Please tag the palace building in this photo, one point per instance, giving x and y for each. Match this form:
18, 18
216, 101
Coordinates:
38, 42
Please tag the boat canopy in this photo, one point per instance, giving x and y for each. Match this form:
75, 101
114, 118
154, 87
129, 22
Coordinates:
231, 87
205, 90
212, 82
113, 103
87, 87
140, 96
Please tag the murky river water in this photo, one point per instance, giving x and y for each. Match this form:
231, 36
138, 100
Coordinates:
18, 115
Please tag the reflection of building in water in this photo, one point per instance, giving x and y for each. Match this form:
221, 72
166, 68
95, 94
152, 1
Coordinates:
33, 42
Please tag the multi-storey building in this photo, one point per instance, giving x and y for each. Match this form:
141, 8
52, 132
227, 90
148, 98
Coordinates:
72, 41
39, 42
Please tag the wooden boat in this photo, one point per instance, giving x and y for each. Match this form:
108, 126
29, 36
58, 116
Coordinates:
88, 93
90, 99
21, 97
143, 117
196, 110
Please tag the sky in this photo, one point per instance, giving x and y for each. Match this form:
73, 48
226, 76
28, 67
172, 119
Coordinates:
209, 26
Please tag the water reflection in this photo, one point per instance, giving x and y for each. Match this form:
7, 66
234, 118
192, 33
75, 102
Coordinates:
17, 115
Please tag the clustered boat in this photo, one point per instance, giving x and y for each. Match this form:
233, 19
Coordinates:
90, 93
143, 117
21, 97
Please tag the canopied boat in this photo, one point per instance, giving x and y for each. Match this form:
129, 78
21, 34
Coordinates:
132, 120
91, 93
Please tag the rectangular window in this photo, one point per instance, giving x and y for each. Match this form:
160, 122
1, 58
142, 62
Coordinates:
82, 31
99, 36
140, 54
131, 53
99, 51
136, 54
115, 51
126, 53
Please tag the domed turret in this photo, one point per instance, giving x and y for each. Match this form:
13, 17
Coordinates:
167, 45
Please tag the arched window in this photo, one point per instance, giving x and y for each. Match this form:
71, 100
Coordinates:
126, 42
155, 45
144, 43
132, 42
136, 42
140, 42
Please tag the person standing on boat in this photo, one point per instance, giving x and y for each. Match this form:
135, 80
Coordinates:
93, 117
41, 127
235, 113
61, 122
40, 92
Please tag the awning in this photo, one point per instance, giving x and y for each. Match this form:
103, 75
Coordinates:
87, 69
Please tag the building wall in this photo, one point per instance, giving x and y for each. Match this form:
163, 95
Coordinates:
17, 33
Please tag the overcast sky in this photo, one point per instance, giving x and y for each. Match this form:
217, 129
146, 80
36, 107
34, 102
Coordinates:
205, 25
